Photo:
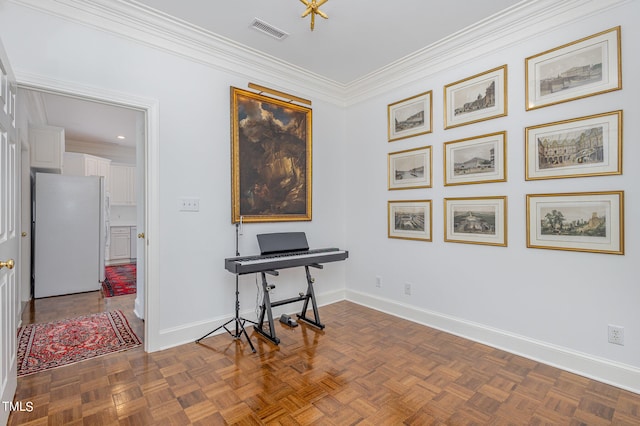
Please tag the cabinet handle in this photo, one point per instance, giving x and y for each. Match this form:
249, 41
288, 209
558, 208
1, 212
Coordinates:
141, 235
9, 264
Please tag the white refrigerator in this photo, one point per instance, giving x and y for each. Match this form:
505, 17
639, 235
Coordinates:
69, 234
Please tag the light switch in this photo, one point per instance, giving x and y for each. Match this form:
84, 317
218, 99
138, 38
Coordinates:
189, 204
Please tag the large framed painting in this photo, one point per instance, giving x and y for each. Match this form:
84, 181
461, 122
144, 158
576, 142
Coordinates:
586, 146
410, 117
476, 220
582, 221
478, 159
271, 159
477, 98
409, 220
410, 169
575, 70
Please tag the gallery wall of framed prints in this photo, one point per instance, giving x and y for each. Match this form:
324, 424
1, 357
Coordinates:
579, 147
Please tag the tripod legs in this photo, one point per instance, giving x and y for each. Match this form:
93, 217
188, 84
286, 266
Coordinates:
239, 323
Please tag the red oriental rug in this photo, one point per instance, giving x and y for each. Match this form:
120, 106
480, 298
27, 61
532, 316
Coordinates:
55, 344
119, 280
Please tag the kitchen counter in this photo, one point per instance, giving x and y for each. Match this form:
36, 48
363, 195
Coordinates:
112, 224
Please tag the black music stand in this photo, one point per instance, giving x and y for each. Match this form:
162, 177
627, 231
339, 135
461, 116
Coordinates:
238, 320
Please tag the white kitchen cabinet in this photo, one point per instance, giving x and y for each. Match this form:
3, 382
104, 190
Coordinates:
78, 164
120, 247
47, 148
123, 185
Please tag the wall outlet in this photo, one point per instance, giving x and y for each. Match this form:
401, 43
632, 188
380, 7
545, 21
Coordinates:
407, 289
616, 334
378, 282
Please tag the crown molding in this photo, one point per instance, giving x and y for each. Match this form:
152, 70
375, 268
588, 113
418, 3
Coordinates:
521, 22
142, 24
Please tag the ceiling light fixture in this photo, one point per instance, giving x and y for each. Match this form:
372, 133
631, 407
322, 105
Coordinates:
312, 8
120, 137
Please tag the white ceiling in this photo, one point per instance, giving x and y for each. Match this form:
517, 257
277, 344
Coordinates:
360, 37
90, 121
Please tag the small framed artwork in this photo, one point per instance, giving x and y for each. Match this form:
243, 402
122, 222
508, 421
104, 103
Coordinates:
480, 159
410, 168
586, 146
476, 220
477, 98
270, 169
582, 68
409, 220
410, 117
586, 221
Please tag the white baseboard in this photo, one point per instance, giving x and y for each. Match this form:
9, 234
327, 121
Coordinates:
616, 374
138, 308
188, 333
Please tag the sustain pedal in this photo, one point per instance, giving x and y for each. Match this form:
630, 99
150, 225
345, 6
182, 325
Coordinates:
286, 319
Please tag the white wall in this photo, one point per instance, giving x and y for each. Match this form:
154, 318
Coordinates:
532, 301
549, 305
194, 291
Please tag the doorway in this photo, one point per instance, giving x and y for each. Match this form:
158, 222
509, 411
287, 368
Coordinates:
114, 133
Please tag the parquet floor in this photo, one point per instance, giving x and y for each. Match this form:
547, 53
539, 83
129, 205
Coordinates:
365, 368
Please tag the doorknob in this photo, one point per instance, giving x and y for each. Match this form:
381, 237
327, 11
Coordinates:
141, 235
9, 264
24, 234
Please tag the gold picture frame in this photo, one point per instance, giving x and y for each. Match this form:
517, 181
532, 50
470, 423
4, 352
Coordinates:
270, 159
410, 169
478, 159
409, 220
586, 67
476, 220
579, 221
410, 117
579, 147
477, 98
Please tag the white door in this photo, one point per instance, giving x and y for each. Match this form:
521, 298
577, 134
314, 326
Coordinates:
141, 172
9, 300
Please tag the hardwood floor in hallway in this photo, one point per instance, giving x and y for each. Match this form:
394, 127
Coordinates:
365, 368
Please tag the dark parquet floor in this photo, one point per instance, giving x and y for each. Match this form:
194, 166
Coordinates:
365, 368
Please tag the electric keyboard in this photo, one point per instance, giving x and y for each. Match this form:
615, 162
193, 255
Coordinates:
274, 261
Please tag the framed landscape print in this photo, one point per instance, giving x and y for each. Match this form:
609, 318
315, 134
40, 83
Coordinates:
587, 146
476, 220
410, 117
477, 98
479, 159
410, 169
587, 221
582, 68
409, 220
270, 159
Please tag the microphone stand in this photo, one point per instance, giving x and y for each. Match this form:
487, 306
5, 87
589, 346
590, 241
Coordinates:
239, 321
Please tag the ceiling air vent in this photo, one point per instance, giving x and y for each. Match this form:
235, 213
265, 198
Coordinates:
268, 29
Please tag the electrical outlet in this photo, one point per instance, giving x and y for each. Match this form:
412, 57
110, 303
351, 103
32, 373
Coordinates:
616, 334
407, 289
378, 282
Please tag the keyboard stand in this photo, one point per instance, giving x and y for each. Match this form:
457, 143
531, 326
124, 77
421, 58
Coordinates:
266, 306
